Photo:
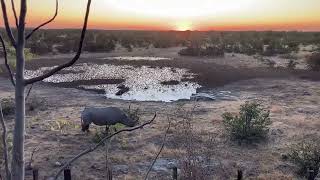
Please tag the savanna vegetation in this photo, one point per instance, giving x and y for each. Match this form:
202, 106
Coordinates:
313, 62
249, 123
266, 43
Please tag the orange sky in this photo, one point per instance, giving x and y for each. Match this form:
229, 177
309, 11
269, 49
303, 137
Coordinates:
180, 14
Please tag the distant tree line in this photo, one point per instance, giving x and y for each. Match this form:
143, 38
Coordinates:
251, 42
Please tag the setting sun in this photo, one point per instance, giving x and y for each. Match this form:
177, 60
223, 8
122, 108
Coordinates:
183, 26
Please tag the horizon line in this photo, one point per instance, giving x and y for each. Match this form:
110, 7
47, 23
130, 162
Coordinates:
173, 30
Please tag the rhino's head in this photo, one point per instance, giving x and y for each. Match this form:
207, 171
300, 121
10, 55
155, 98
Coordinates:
128, 121
131, 117
84, 126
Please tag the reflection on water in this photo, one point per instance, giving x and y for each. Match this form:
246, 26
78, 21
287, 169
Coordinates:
154, 92
135, 58
144, 82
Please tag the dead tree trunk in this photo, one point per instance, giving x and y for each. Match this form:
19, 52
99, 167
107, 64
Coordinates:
17, 164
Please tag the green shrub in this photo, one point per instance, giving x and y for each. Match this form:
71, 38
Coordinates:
101, 132
313, 62
9, 146
32, 104
251, 123
36, 103
99, 135
306, 155
8, 106
12, 56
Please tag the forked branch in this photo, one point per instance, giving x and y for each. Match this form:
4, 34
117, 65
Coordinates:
14, 13
6, 23
73, 60
5, 54
29, 92
67, 164
45, 23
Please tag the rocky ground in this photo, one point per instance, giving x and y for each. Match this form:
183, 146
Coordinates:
292, 97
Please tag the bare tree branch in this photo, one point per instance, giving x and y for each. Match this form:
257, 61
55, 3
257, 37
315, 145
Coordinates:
45, 23
160, 150
28, 93
4, 142
14, 13
6, 23
100, 144
74, 59
6, 60
36, 149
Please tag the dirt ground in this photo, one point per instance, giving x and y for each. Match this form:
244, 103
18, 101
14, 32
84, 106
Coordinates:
294, 103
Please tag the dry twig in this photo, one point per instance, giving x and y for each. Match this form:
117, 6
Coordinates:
14, 13
160, 150
5, 145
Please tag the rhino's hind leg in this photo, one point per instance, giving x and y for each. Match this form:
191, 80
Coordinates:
107, 130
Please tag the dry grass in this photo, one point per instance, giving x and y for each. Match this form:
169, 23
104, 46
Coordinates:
294, 108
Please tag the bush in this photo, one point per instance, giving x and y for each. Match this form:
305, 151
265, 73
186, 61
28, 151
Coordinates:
292, 64
133, 114
306, 155
102, 133
9, 146
100, 46
313, 62
36, 103
99, 135
213, 51
32, 104
8, 106
40, 48
251, 123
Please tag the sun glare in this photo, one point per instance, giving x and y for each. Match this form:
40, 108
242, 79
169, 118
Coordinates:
183, 26
179, 14
178, 8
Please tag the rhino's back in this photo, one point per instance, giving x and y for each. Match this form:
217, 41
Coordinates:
103, 116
